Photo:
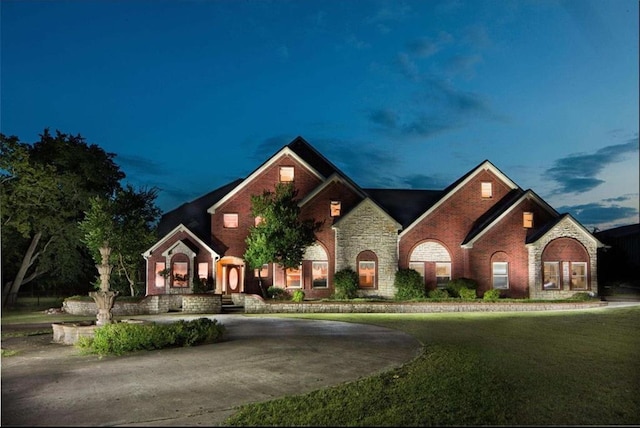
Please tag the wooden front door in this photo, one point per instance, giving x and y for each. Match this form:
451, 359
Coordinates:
233, 279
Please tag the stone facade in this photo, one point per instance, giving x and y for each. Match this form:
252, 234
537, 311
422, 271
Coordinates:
368, 228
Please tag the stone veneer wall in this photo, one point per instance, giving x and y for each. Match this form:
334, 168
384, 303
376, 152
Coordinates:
254, 304
367, 227
202, 303
564, 229
150, 305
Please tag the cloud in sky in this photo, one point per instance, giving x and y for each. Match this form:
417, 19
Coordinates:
577, 173
140, 165
593, 214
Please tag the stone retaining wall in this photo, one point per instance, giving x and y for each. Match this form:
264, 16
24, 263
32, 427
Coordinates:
254, 304
151, 305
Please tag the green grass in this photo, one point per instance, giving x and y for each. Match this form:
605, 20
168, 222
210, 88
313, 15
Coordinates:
542, 368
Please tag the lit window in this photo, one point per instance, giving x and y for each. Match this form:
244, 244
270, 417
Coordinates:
230, 221
258, 220
180, 274
527, 220
160, 278
551, 276
443, 274
203, 271
501, 275
319, 271
263, 272
286, 174
335, 208
487, 189
293, 278
578, 276
367, 274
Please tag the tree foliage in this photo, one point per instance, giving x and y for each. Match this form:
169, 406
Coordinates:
282, 236
125, 223
46, 187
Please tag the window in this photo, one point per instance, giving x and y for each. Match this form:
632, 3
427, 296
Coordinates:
160, 278
578, 276
263, 272
203, 271
418, 267
367, 274
180, 274
258, 221
319, 271
286, 174
486, 189
230, 221
500, 275
551, 276
527, 220
335, 208
293, 277
443, 274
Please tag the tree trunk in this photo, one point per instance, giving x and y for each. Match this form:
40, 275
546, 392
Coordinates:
10, 290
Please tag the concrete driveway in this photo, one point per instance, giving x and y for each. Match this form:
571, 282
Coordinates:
49, 384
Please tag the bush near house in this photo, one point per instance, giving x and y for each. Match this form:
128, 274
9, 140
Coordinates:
467, 293
454, 286
346, 284
298, 296
491, 295
439, 293
409, 285
119, 338
277, 293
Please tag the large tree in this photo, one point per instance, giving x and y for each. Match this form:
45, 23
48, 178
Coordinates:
46, 187
281, 236
125, 223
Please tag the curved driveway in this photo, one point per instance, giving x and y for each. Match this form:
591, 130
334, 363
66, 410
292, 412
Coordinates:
263, 358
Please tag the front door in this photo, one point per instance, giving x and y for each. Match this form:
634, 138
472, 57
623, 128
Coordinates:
233, 279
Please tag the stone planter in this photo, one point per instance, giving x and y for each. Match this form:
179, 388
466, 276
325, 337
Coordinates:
68, 333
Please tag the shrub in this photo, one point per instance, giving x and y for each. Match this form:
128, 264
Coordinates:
119, 338
582, 296
277, 293
298, 296
199, 285
454, 286
346, 284
491, 295
409, 285
438, 293
467, 293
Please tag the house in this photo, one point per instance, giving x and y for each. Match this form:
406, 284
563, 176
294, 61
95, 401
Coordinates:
483, 226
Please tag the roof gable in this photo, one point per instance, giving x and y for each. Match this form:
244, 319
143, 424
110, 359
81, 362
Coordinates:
167, 238
374, 205
565, 218
457, 185
502, 209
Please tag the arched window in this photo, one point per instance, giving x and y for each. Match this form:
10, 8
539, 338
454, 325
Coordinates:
565, 265
367, 269
433, 262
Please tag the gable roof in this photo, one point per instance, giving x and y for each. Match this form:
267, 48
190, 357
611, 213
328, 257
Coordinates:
193, 215
544, 229
181, 228
503, 207
404, 205
459, 183
362, 203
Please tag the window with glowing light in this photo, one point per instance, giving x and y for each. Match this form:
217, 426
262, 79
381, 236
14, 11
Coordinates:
418, 267
367, 274
293, 278
551, 276
257, 221
527, 220
578, 276
443, 274
160, 279
203, 271
500, 273
230, 220
486, 189
263, 272
319, 274
335, 208
180, 271
286, 174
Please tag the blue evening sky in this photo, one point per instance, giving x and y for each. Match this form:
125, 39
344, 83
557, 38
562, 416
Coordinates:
192, 94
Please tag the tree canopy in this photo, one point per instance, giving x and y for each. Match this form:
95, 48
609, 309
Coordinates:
281, 236
46, 187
